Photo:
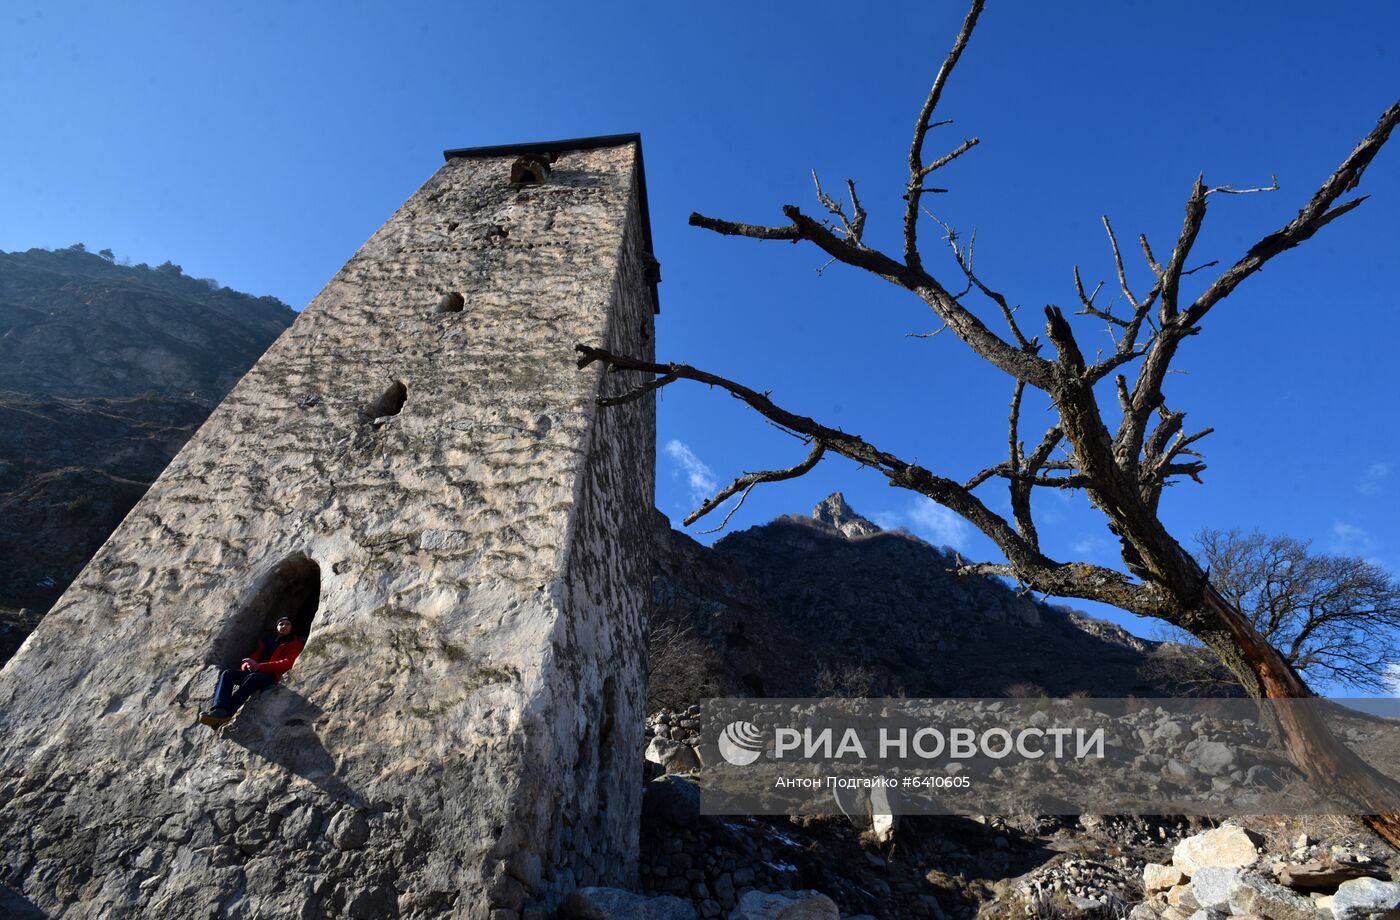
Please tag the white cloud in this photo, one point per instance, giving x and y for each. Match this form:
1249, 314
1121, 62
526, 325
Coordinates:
931, 521
1091, 546
1392, 678
1374, 479
700, 479
1352, 540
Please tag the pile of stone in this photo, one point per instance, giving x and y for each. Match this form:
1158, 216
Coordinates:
1222, 873
1076, 885
673, 740
710, 862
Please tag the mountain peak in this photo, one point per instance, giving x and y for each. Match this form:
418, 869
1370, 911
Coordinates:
834, 511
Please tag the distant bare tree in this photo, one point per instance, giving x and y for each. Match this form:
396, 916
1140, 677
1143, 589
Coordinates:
1183, 664
1334, 618
681, 666
1121, 457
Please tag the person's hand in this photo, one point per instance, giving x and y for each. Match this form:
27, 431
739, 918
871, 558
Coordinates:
249, 664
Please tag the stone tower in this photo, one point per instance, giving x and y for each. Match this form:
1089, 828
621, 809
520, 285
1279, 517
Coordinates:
417, 471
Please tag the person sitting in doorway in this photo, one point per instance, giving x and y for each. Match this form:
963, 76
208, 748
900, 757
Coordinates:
273, 657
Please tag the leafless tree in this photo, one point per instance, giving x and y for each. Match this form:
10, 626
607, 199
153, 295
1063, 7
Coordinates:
1333, 618
1121, 460
680, 666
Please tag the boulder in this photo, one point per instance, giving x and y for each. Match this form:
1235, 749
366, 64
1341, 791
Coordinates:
1213, 886
616, 904
1183, 898
1210, 913
1157, 877
673, 756
349, 830
1366, 899
1169, 732
1258, 895
671, 800
785, 905
1228, 846
1212, 757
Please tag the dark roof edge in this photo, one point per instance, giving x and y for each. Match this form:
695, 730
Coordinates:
578, 143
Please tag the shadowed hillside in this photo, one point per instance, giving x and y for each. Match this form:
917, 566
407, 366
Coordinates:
833, 605
105, 371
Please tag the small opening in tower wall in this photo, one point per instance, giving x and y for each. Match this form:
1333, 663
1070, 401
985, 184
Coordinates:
531, 169
291, 589
389, 404
451, 302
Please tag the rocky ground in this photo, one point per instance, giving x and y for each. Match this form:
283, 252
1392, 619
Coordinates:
992, 867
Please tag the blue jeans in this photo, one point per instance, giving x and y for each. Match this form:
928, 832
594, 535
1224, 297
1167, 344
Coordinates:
236, 685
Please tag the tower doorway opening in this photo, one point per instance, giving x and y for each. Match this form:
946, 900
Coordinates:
292, 589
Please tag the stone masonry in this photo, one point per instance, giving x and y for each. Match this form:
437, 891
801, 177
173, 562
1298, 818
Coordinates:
419, 460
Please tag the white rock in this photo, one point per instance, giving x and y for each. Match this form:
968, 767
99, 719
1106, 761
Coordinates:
1256, 895
1213, 886
1213, 757
1169, 732
1360, 898
673, 756
1227, 846
1157, 877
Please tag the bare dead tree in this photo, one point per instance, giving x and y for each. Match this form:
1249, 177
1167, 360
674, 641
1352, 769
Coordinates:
1121, 466
1332, 617
681, 666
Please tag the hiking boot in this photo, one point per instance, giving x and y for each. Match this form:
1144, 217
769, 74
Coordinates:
214, 718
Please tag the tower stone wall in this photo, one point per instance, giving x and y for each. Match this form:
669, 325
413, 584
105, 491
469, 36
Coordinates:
461, 735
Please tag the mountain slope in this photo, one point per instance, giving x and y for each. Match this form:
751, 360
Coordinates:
105, 371
831, 604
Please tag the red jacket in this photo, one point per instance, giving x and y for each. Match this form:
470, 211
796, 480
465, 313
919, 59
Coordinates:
277, 658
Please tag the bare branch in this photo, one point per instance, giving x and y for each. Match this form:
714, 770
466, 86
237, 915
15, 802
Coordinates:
753, 231
638, 392
1147, 254
1075, 579
964, 261
745, 484
947, 158
921, 128
1019, 364
1088, 301
854, 225
1190, 229
1315, 215
1118, 262
1231, 190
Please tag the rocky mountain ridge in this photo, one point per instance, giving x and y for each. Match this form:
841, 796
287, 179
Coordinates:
105, 371
831, 604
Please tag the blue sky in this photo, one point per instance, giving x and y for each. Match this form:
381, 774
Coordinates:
260, 144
